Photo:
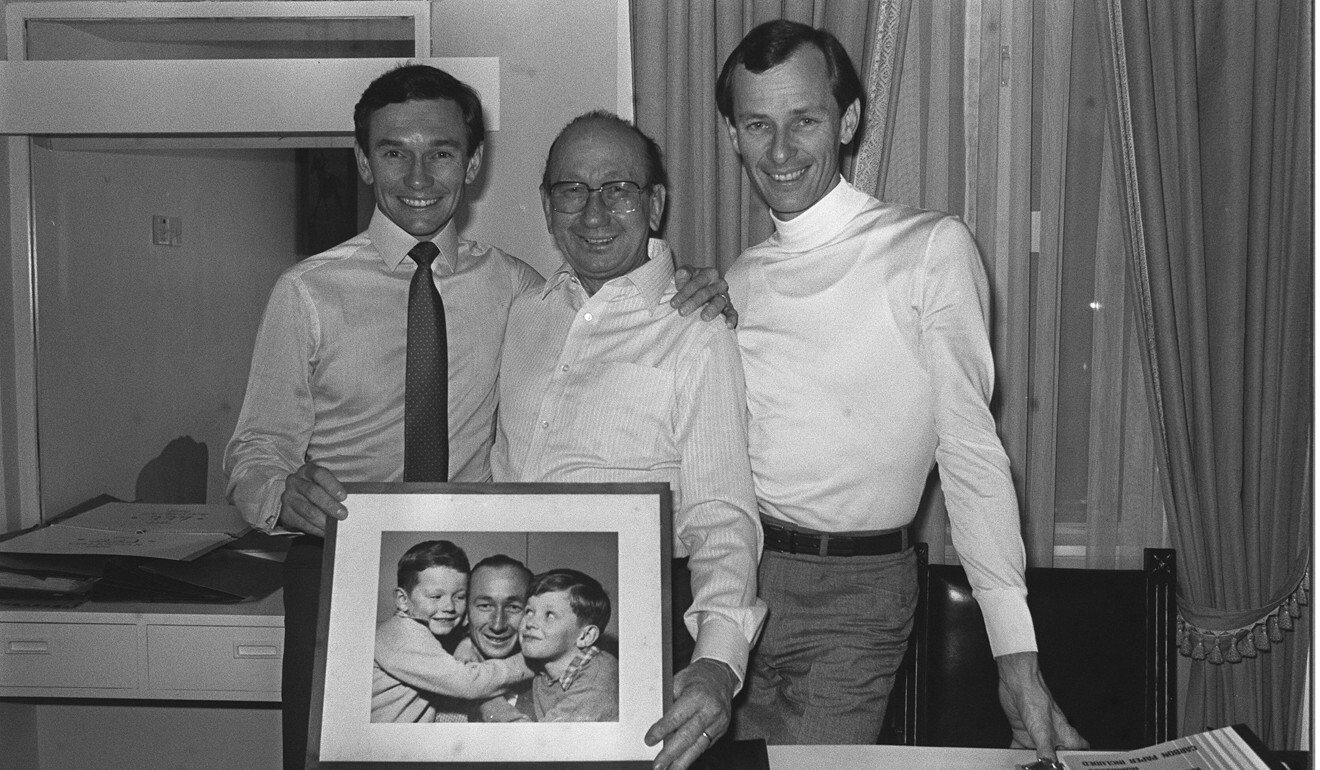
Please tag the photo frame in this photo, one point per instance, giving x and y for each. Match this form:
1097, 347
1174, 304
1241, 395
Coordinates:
619, 532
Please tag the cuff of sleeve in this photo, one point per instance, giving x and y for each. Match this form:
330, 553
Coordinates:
260, 506
1007, 621
721, 639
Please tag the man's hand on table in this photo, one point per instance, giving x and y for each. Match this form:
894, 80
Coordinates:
311, 494
703, 698
702, 287
1035, 718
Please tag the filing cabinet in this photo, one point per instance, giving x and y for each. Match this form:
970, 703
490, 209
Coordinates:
144, 651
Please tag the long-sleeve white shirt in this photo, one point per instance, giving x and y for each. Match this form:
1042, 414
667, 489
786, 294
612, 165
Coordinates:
328, 366
863, 330
617, 387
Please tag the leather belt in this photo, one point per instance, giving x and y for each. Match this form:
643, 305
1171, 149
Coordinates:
787, 540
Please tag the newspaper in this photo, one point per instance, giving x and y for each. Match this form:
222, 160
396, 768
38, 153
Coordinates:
1221, 749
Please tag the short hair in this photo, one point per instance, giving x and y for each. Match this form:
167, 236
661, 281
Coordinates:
502, 561
771, 44
418, 81
427, 554
653, 160
585, 594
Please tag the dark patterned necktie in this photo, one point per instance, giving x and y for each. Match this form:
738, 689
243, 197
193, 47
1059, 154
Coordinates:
426, 384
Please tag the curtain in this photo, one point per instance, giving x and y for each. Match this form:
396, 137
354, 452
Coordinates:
1212, 101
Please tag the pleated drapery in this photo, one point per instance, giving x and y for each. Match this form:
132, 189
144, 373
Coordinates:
1212, 100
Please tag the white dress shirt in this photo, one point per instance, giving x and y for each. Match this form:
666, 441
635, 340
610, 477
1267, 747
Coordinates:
326, 383
617, 387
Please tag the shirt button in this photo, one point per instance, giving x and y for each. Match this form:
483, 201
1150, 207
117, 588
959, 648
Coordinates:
545, 424
587, 316
564, 367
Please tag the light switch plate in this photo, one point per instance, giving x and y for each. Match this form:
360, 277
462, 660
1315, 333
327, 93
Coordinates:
166, 231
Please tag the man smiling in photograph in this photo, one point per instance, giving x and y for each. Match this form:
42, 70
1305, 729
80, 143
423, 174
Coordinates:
497, 600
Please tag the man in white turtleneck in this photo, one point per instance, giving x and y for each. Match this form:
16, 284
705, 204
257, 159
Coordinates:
864, 341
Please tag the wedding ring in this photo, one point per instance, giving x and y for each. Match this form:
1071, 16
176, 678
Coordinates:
708, 738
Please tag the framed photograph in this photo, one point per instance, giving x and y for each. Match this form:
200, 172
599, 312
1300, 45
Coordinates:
413, 667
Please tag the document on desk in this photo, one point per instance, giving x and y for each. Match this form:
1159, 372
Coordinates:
158, 530
1224, 748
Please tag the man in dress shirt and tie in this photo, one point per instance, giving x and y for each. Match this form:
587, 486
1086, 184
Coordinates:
325, 400
865, 346
602, 381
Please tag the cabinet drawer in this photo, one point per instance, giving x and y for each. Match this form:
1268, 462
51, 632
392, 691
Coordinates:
68, 655
215, 658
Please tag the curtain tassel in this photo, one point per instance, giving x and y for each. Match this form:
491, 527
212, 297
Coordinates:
1232, 645
1272, 628
1259, 637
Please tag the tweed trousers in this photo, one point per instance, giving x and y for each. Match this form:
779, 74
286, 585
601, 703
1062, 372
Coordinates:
836, 632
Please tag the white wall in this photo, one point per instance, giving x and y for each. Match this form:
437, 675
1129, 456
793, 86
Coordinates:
139, 343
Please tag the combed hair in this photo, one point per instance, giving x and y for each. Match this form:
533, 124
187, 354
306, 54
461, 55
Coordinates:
500, 560
655, 164
427, 554
586, 595
771, 44
418, 81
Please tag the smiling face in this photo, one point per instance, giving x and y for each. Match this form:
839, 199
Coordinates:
551, 631
787, 129
418, 163
497, 597
598, 243
438, 599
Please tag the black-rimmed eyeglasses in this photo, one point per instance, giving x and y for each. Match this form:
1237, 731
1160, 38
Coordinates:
620, 197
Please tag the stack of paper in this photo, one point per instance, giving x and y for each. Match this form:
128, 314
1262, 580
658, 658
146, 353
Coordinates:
158, 530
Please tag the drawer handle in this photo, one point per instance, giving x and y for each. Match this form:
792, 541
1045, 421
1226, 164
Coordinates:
256, 651
27, 647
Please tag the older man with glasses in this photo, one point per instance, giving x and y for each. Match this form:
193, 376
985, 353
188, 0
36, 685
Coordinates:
602, 381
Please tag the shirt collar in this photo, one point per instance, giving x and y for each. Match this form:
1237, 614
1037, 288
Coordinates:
821, 222
393, 243
579, 662
651, 279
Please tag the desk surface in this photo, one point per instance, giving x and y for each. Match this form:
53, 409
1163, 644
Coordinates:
871, 757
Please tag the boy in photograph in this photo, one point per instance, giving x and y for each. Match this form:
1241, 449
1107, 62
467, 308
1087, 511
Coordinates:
567, 612
416, 677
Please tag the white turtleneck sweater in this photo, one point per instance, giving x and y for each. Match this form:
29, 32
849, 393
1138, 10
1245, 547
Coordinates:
863, 330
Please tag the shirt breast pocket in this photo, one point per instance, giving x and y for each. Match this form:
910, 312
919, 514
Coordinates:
622, 415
